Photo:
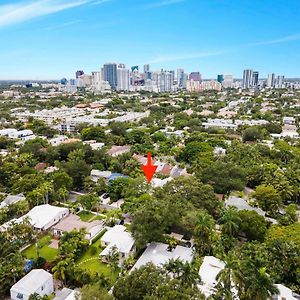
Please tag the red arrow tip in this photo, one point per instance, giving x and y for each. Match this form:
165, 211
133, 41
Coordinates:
149, 169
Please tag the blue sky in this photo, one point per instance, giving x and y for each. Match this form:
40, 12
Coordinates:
51, 39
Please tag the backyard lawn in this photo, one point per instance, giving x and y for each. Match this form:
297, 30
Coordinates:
90, 261
45, 251
85, 216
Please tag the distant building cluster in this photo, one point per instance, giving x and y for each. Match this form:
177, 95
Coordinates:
117, 77
251, 80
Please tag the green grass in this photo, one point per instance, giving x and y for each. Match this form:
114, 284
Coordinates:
99, 217
85, 216
94, 264
45, 251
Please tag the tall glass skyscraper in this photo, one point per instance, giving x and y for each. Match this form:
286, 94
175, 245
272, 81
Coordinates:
247, 78
255, 79
220, 78
110, 74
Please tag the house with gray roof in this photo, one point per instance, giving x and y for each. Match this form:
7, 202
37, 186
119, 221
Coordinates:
242, 204
159, 254
11, 199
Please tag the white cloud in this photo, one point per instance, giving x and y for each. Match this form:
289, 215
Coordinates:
24, 10
163, 3
285, 39
63, 25
188, 56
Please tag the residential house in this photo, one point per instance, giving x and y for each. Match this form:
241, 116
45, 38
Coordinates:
97, 174
118, 150
242, 204
285, 293
159, 254
208, 273
36, 281
121, 239
57, 140
72, 222
11, 199
65, 294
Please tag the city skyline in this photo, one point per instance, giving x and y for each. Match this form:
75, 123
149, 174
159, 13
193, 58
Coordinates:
51, 39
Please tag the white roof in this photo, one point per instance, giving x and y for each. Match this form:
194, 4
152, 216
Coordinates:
158, 254
41, 215
65, 294
208, 272
11, 199
242, 204
98, 173
32, 281
157, 182
119, 237
284, 293
7, 131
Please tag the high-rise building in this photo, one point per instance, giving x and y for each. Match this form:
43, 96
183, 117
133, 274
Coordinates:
280, 82
247, 79
63, 81
255, 79
220, 78
79, 73
84, 81
196, 76
271, 80
110, 74
227, 81
72, 81
180, 78
122, 78
146, 68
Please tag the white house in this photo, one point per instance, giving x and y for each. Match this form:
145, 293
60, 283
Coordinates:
159, 254
8, 132
11, 199
208, 272
285, 293
289, 120
97, 174
36, 281
57, 140
25, 134
65, 294
44, 216
157, 182
120, 238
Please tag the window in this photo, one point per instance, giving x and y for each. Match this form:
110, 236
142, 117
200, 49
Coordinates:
20, 296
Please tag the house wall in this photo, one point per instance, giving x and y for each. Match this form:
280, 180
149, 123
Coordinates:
55, 220
45, 289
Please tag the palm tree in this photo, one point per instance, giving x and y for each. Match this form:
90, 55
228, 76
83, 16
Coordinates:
60, 270
113, 215
174, 267
128, 262
203, 231
63, 193
260, 286
230, 221
229, 277
189, 275
183, 271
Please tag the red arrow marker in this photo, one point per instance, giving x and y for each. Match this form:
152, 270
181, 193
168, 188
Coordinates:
149, 169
